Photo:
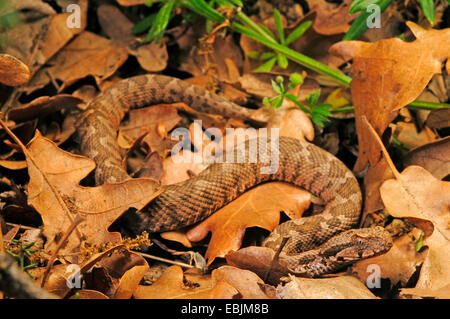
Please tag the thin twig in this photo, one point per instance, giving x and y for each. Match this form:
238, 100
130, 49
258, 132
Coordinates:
78, 219
275, 257
165, 260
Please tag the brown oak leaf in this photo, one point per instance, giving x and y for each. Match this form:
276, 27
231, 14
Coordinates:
54, 191
260, 206
389, 74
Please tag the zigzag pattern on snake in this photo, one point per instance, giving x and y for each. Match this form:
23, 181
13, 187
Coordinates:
300, 163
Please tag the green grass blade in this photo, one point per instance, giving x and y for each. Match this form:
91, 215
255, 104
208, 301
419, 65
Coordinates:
359, 26
298, 32
279, 24
428, 9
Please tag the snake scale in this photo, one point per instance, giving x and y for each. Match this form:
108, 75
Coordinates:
300, 163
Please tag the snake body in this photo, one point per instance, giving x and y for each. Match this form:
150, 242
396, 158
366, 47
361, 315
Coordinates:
300, 163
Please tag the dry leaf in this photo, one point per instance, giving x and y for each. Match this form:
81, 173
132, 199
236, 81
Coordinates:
331, 19
419, 196
170, 286
13, 164
42, 106
246, 282
54, 192
260, 206
343, 287
88, 54
152, 56
89, 294
151, 121
374, 178
131, 2
129, 281
29, 43
434, 157
408, 135
441, 293
13, 72
259, 260
439, 118
389, 74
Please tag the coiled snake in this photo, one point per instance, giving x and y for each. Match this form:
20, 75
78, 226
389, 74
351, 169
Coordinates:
300, 163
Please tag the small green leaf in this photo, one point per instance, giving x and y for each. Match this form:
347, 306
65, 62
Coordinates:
267, 66
31, 266
323, 109
267, 55
30, 245
267, 30
282, 61
419, 242
298, 32
277, 102
144, 24
266, 101
428, 9
360, 5
253, 55
279, 24
160, 23
276, 87
359, 26
313, 97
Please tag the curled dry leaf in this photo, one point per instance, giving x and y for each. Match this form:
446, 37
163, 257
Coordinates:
389, 74
131, 2
407, 134
439, 118
255, 207
13, 72
433, 156
343, 287
246, 282
89, 294
171, 286
42, 106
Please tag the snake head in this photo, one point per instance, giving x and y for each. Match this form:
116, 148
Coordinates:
357, 244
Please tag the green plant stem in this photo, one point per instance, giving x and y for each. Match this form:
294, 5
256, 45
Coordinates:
295, 56
418, 105
423, 105
255, 32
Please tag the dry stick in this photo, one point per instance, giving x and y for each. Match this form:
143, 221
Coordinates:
383, 149
78, 219
165, 260
275, 257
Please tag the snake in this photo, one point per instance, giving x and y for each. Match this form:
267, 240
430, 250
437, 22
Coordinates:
300, 163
